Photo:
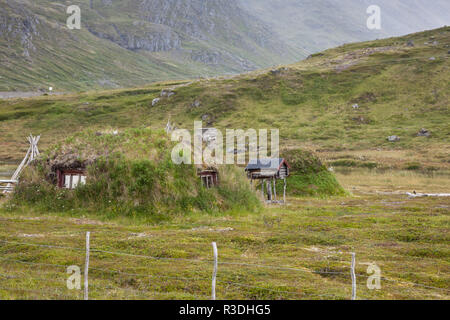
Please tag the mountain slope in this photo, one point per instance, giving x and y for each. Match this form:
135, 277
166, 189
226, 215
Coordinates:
400, 85
125, 43
314, 25
129, 42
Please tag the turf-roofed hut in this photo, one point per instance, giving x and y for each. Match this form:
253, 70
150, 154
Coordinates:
129, 173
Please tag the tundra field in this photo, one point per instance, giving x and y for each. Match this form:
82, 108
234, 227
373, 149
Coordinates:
341, 104
297, 251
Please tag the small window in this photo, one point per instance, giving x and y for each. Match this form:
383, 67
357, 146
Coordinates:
67, 181
207, 181
71, 181
209, 178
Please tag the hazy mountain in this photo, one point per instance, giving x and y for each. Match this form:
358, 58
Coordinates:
125, 43
315, 25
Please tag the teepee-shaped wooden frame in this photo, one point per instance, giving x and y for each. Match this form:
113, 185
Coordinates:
32, 153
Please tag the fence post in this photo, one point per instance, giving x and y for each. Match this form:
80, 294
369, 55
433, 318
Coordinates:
213, 294
86, 268
353, 276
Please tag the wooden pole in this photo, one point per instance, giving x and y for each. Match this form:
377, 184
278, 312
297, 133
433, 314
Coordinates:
262, 188
353, 276
284, 191
275, 189
213, 287
269, 190
86, 268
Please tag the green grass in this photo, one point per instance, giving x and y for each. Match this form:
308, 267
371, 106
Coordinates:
399, 91
405, 238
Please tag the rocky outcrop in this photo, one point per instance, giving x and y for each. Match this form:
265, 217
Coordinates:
163, 25
139, 36
17, 23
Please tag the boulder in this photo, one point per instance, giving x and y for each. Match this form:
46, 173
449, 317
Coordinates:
277, 72
410, 43
423, 133
167, 93
155, 101
355, 106
393, 138
196, 104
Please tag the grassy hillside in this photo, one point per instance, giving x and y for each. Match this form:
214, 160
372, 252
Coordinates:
129, 43
399, 90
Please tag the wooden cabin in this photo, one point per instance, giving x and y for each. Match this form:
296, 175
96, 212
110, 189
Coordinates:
209, 176
269, 171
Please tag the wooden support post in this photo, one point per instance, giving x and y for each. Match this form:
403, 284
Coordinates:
213, 287
284, 191
269, 190
275, 189
32, 153
353, 276
86, 268
262, 188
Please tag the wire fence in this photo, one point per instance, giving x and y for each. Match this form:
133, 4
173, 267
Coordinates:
155, 281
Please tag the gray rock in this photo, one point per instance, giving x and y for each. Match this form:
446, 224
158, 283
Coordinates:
424, 133
432, 58
196, 104
393, 138
355, 106
155, 101
279, 71
410, 43
167, 93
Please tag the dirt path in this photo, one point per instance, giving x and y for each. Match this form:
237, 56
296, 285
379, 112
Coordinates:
20, 94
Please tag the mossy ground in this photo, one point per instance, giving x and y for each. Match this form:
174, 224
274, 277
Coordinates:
399, 90
406, 238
